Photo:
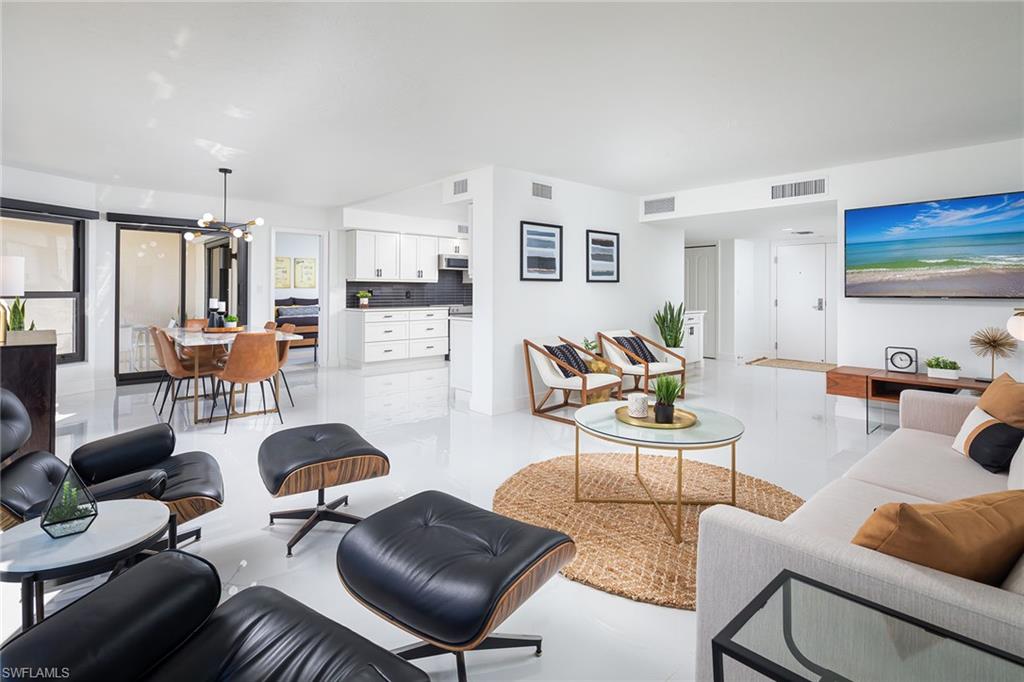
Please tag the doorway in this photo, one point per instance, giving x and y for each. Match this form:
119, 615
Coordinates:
701, 290
300, 289
801, 302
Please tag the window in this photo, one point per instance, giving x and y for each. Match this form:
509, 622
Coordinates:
54, 275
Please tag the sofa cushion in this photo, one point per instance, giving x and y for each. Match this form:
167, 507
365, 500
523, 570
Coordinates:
1015, 477
924, 464
978, 538
1015, 581
842, 506
988, 441
1004, 400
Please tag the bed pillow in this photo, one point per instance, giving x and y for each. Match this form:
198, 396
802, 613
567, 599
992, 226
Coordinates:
283, 301
305, 301
979, 538
988, 441
636, 346
569, 356
298, 311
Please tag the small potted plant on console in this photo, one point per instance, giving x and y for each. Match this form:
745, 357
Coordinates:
231, 321
942, 368
364, 298
666, 390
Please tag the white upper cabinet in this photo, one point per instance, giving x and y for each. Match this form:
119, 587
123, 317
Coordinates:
449, 246
391, 257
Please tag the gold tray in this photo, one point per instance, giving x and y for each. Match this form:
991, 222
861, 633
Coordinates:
224, 330
682, 419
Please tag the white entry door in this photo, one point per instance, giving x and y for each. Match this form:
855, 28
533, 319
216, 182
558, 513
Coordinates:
800, 312
702, 291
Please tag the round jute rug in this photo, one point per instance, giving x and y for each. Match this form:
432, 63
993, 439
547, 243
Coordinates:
625, 549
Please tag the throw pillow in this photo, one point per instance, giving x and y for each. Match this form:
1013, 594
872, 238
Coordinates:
988, 441
637, 347
978, 538
569, 356
1004, 400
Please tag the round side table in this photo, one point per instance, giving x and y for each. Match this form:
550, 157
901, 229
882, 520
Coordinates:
122, 529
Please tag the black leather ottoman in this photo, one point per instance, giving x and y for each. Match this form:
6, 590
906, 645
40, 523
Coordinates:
315, 457
449, 572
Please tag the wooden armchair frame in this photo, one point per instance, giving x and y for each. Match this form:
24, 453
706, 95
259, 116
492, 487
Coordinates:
541, 409
603, 338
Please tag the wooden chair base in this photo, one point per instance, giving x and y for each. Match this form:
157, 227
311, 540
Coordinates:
539, 410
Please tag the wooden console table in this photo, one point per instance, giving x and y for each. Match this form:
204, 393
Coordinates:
884, 386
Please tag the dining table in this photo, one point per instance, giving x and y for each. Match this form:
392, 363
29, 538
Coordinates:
195, 339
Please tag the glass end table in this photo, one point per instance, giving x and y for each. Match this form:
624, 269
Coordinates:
799, 630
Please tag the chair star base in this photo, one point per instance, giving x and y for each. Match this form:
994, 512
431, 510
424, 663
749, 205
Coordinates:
314, 515
495, 640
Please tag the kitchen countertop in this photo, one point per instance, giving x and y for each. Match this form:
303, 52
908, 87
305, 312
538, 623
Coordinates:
373, 309
460, 318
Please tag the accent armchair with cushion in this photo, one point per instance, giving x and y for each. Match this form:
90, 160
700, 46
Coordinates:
738, 552
641, 357
561, 367
159, 620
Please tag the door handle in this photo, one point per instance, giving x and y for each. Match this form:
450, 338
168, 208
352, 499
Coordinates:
820, 305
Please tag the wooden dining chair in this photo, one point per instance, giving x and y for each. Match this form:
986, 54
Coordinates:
270, 326
177, 370
195, 323
253, 359
282, 357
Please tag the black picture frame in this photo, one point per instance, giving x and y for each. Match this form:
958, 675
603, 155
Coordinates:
590, 275
524, 257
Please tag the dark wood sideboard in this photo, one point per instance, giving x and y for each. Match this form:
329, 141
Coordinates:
28, 369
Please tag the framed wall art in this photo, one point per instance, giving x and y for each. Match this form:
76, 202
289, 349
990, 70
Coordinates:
282, 272
602, 256
540, 252
305, 273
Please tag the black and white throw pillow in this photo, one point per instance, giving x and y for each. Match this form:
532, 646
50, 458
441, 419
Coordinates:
569, 356
988, 441
637, 347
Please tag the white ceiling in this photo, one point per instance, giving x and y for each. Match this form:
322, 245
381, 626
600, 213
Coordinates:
326, 104
776, 222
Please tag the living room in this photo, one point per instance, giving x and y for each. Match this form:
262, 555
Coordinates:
398, 327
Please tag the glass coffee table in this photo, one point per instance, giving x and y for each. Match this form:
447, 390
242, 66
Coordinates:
798, 629
713, 429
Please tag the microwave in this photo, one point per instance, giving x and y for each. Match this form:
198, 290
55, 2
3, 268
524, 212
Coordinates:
451, 262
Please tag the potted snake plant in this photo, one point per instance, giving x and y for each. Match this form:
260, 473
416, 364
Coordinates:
669, 321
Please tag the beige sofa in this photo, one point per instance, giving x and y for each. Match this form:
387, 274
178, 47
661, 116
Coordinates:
738, 552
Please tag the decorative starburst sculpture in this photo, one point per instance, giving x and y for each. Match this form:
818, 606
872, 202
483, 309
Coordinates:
995, 342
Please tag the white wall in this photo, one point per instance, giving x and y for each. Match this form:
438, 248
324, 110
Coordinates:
297, 245
392, 222
726, 299
98, 369
509, 310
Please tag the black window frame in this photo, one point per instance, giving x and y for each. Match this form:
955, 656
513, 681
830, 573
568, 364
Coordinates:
78, 278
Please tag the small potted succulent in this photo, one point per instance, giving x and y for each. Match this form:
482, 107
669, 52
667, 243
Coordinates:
666, 390
942, 368
364, 298
231, 321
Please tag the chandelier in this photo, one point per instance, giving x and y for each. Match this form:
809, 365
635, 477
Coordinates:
209, 224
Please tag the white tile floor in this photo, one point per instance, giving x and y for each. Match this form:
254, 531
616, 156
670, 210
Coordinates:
792, 439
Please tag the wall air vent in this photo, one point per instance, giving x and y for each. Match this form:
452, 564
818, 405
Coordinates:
460, 186
803, 188
662, 205
463, 229
541, 191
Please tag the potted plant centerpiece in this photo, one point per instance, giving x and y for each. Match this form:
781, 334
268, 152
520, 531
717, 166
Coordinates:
942, 368
666, 390
364, 298
670, 324
231, 321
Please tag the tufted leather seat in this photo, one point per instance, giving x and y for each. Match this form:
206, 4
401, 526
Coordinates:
181, 634
447, 571
308, 458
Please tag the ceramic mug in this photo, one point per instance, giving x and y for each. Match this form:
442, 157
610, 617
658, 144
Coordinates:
637, 405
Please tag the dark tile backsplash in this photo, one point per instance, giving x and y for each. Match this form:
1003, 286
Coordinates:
449, 290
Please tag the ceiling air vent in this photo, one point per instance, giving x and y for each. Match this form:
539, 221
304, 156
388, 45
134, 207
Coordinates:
460, 186
662, 205
798, 189
541, 190
463, 229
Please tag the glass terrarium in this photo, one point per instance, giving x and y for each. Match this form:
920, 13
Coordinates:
71, 509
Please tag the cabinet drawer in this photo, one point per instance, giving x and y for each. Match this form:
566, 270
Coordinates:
692, 319
423, 348
439, 314
375, 387
428, 329
428, 378
386, 331
386, 350
386, 316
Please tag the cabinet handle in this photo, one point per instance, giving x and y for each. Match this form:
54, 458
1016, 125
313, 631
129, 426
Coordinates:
430, 329
387, 350
387, 317
387, 331
430, 348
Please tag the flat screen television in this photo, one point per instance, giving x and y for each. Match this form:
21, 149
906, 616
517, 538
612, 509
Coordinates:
971, 247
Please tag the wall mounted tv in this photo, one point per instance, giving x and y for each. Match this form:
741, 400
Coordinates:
972, 247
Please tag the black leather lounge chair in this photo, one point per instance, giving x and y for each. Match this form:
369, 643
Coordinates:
138, 463
128, 629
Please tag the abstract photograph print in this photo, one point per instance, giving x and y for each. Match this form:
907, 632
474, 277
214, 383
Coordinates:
602, 256
540, 252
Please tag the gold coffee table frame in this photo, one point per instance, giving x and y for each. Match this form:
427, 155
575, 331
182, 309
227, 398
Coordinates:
674, 528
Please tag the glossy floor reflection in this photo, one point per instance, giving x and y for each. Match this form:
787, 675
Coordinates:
792, 439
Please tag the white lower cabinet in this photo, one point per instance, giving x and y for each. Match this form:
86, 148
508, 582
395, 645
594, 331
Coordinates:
397, 334
405, 397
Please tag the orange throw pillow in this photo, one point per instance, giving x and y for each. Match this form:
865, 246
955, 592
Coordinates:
1004, 400
978, 538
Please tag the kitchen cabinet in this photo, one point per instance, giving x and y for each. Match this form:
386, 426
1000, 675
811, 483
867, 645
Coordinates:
373, 255
418, 258
693, 337
395, 334
449, 246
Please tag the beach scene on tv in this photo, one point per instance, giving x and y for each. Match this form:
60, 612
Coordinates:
971, 247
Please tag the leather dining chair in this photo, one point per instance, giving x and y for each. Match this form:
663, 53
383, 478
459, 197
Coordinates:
177, 370
270, 326
253, 359
282, 357
195, 324
158, 358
